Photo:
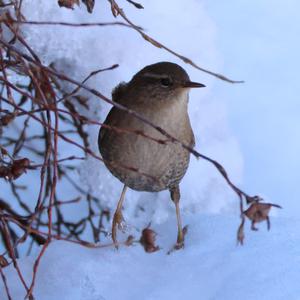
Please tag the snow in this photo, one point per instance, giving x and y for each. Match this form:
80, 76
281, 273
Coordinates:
211, 266
258, 44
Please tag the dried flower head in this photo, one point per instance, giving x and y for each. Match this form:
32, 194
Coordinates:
148, 240
259, 212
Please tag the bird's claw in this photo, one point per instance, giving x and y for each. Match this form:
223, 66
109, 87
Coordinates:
177, 246
180, 240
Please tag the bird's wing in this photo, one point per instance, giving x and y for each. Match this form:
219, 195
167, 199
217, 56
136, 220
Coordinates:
117, 95
101, 135
118, 92
110, 121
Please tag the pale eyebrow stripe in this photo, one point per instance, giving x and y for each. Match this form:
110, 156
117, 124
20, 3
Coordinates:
152, 75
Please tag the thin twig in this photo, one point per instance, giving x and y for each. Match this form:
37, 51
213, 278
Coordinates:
5, 284
118, 11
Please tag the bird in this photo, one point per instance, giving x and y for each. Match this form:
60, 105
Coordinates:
159, 93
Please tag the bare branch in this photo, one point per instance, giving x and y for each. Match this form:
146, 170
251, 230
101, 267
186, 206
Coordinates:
116, 10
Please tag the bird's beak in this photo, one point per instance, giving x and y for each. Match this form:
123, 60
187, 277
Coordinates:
191, 84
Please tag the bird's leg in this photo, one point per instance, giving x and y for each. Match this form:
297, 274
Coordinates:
118, 217
175, 196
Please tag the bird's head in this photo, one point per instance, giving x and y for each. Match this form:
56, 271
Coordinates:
162, 81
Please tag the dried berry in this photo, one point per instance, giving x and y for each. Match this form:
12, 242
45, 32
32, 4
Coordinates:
19, 167
148, 240
14, 170
5, 120
68, 3
259, 212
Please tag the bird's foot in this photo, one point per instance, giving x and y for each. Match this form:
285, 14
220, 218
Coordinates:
118, 223
180, 241
177, 246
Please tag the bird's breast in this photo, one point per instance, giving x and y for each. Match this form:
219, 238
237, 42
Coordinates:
162, 161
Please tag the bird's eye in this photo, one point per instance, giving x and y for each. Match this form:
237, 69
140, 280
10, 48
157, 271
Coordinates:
165, 82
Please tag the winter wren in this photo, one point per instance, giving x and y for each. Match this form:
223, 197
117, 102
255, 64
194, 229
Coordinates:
159, 93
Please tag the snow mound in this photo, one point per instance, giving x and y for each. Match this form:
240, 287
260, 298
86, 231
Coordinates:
211, 266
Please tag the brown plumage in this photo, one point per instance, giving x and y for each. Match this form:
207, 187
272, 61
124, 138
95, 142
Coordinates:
159, 93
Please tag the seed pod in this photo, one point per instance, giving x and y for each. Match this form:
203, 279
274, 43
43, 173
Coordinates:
148, 240
259, 212
5, 120
19, 167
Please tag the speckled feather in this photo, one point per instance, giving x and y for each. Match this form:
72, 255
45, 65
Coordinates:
167, 163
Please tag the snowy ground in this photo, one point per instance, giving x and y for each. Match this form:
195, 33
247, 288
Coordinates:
210, 267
